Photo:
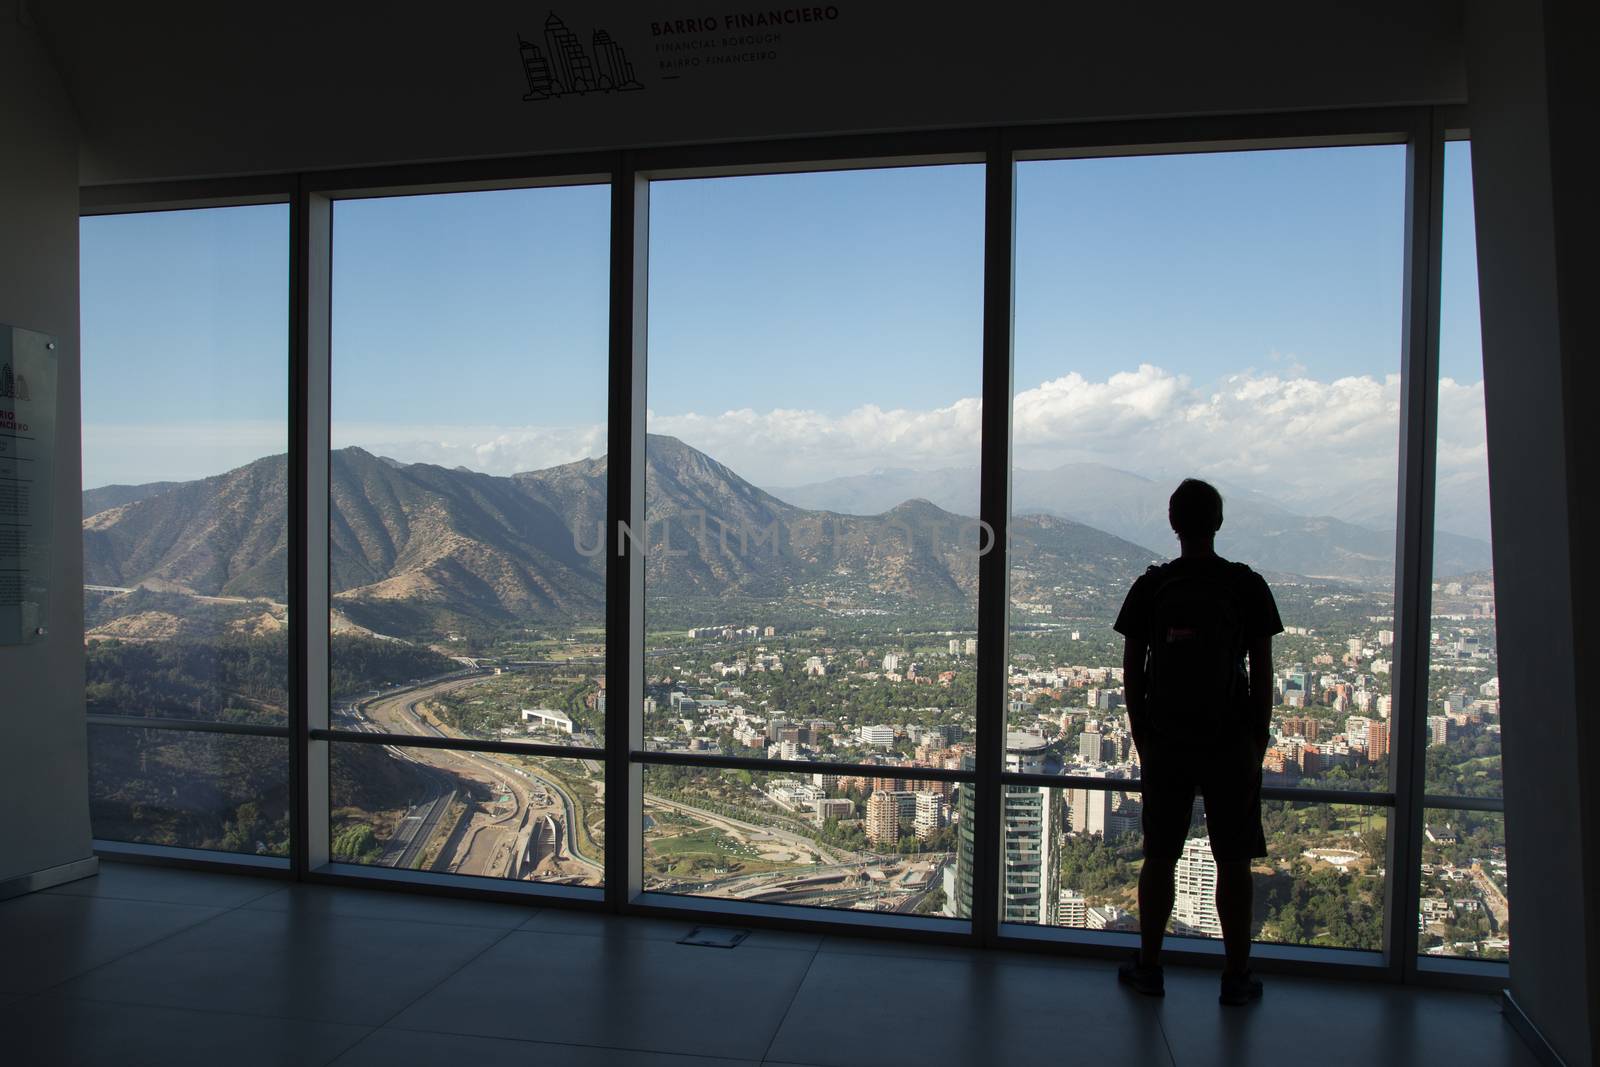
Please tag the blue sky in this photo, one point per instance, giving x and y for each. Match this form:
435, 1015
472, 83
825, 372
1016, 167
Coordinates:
1460, 340
803, 326
816, 290
494, 301
1209, 264
185, 337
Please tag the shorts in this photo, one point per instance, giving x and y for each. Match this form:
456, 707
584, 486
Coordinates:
1227, 776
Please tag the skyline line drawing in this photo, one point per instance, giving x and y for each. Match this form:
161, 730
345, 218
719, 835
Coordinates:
568, 69
12, 387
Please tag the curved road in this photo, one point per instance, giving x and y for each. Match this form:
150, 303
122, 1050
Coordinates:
397, 713
784, 837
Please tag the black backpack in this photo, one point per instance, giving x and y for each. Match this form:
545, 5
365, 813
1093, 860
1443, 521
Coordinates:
1194, 664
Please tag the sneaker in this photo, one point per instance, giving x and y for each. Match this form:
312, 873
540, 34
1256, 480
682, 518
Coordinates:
1146, 980
1239, 989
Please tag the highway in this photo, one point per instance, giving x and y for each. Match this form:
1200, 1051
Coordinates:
426, 822
784, 837
203, 598
397, 712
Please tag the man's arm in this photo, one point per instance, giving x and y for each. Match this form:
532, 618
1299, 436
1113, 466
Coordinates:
1261, 689
1133, 649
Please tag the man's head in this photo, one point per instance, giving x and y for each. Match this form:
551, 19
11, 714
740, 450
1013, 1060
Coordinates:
1195, 511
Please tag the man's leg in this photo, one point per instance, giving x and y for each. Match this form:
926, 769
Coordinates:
1235, 908
1155, 907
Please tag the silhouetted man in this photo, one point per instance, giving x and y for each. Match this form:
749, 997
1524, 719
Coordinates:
1200, 722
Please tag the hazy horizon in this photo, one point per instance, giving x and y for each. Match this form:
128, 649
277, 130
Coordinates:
1235, 312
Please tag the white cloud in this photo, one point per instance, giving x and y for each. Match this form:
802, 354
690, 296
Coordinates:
1319, 447
491, 449
784, 446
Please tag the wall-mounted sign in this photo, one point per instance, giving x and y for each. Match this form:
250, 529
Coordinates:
27, 461
563, 67
566, 61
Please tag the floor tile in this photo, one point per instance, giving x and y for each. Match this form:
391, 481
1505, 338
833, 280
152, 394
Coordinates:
567, 921
330, 967
623, 992
1395, 1026
315, 900
864, 1010
50, 937
403, 1048
139, 881
162, 966
867, 946
48, 1030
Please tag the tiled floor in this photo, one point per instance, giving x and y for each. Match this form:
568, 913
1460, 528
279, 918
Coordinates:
143, 965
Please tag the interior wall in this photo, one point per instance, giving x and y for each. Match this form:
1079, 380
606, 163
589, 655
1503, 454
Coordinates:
1548, 743
191, 89
1570, 78
43, 766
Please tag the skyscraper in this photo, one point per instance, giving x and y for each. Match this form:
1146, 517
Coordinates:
1090, 810
959, 902
887, 811
1438, 729
1194, 908
1028, 858
930, 814
1377, 739
883, 818
1090, 747
1030, 835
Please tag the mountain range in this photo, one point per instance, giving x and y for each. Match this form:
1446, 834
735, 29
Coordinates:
414, 547
1134, 508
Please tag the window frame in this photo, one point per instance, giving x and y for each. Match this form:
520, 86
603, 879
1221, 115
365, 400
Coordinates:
188, 196
629, 172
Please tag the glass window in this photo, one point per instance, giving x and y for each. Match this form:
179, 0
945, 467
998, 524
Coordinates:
188, 789
527, 818
1463, 728
467, 499
862, 842
810, 537
1232, 317
185, 439
468, 476
811, 482
1322, 882
185, 431
1465, 903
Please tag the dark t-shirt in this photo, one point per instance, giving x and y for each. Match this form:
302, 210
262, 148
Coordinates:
1258, 612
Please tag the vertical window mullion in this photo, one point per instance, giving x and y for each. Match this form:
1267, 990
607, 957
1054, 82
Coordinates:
625, 471
299, 739
1419, 401
311, 219
995, 511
